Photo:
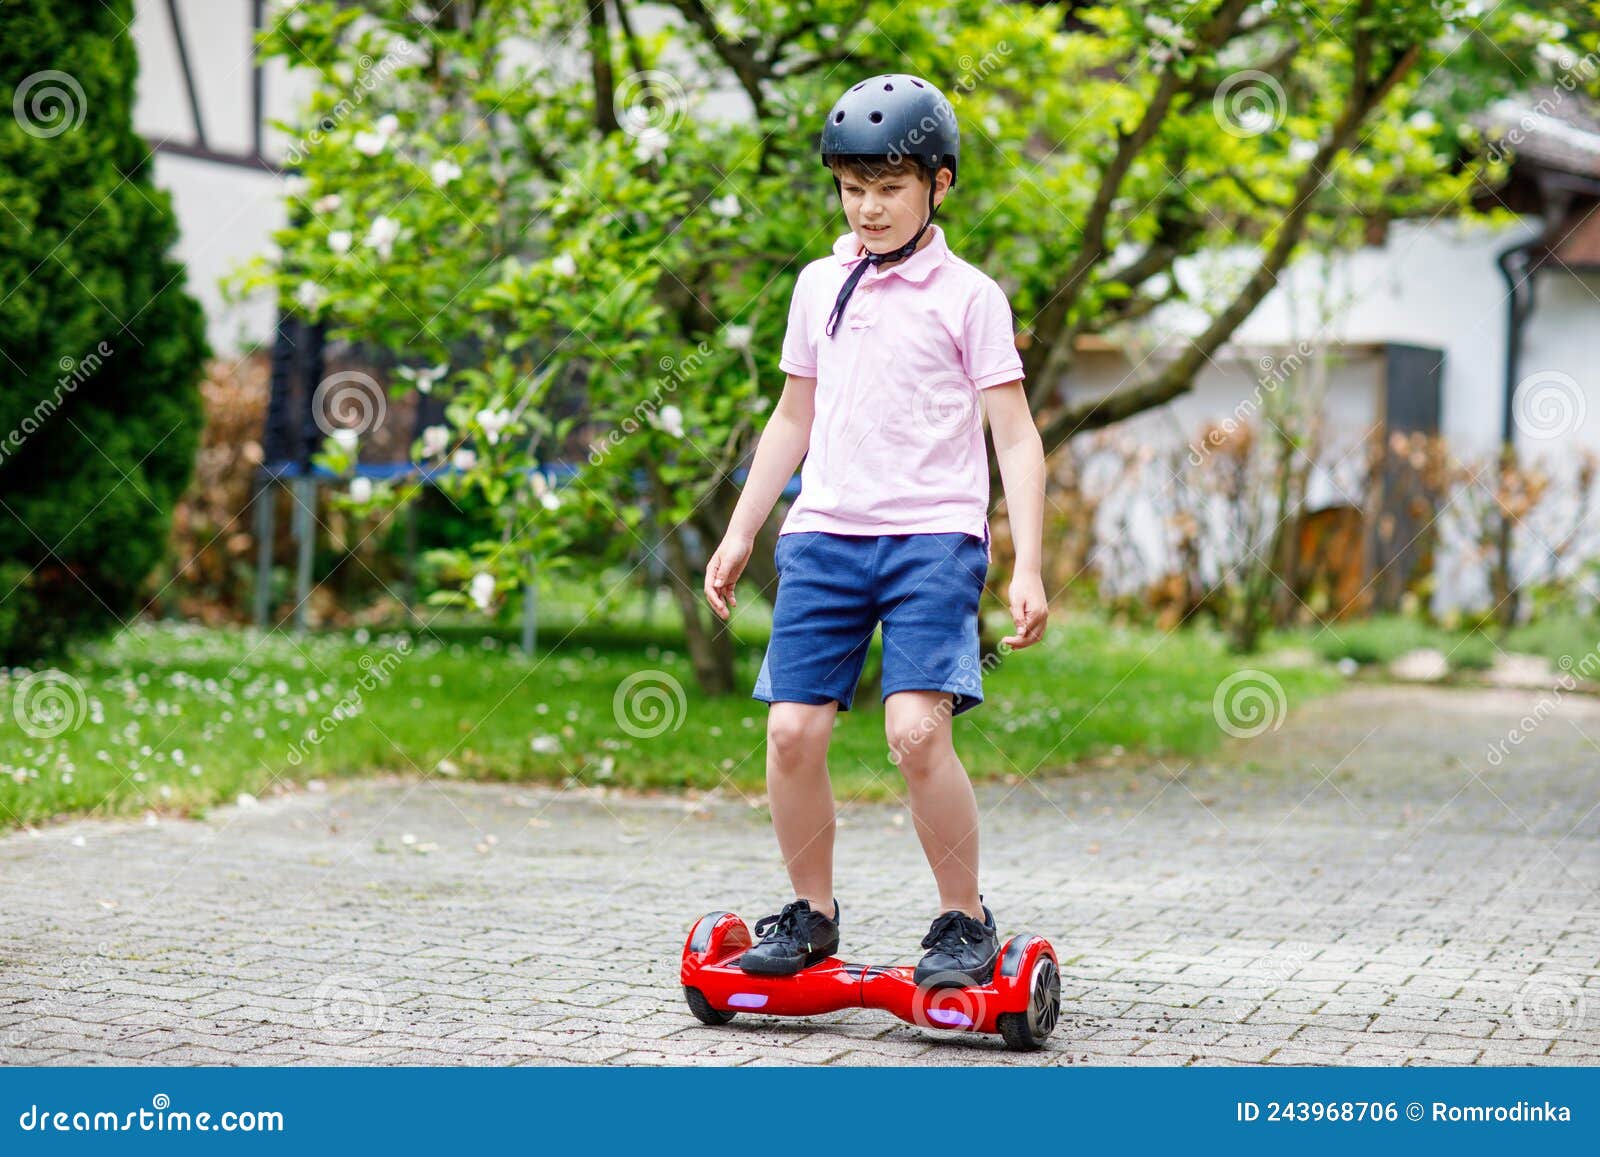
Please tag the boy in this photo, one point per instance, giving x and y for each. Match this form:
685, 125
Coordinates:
892, 341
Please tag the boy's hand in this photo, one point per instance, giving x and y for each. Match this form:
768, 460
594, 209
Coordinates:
723, 571
1029, 609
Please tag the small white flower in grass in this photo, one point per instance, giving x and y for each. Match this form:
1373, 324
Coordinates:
482, 590
670, 419
1301, 149
361, 489
328, 204
545, 744
381, 235
309, 296
388, 124
492, 422
564, 265
738, 337
435, 440
726, 207
464, 459
550, 500
443, 172
340, 240
370, 144
346, 439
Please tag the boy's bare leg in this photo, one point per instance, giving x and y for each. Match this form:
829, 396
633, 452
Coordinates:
943, 804
801, 797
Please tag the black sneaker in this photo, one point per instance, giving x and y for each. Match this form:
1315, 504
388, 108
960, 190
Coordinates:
961, 951
795, 938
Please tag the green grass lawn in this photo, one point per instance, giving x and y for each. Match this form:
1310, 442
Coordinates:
175, 718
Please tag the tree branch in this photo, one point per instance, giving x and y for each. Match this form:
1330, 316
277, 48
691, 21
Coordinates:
1365, 95
1050, 326
605, 87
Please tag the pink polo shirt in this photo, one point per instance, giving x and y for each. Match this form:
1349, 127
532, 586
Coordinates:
897, 443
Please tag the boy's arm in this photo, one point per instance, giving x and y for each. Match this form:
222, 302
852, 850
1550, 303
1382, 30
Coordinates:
778, 452
1020, 452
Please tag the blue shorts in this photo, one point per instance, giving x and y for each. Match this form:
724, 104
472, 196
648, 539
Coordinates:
833, 591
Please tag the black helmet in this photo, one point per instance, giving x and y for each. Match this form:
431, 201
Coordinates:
894, 115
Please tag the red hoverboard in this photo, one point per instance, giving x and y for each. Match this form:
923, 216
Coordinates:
1021, 1002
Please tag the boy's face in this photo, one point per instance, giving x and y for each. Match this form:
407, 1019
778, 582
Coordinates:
886, 213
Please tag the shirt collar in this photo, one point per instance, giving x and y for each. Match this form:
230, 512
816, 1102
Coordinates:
916, 268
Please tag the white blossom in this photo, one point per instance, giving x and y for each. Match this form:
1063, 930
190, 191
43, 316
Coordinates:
550, 500
435, 440
295, 187
738, 337
328, 204
423, 376
492, 422
670, 419
340, 240
564, 265
388, 125
482, 590
464, 459
651, 144
381, 235
370, 144
361, 489
309, 296
345, 438
726, 207
443, 172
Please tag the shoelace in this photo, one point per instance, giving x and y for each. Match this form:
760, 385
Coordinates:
952, 929
784, 925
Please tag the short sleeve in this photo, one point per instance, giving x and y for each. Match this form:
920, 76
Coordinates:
799, 340
988, 339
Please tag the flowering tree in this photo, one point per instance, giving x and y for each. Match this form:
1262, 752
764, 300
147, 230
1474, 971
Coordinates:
534, 202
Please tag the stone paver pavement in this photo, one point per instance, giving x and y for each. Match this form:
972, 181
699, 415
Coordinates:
1361, 886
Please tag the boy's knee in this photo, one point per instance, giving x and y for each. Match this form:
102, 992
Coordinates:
795, 730
917, 739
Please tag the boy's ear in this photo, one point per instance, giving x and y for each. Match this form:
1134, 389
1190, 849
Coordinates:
941, 185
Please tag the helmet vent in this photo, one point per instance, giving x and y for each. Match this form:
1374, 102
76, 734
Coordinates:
838, 116
888, 88
919, 84
875, 117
